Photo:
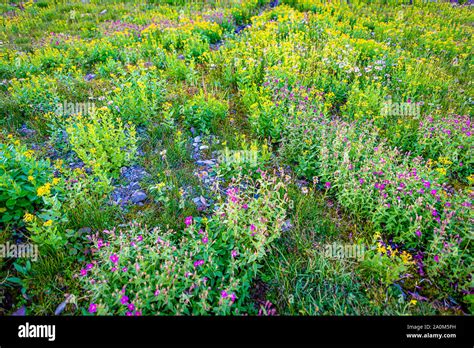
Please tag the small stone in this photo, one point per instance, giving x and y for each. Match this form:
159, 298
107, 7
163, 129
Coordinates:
84, 230
134, 186
138, 196
20, 312
203, 147
24, 130
205, 163
61, 307
200, 202
90, 77
287, 225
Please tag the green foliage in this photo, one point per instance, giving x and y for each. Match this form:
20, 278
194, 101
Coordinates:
24, 180
139, 99
204, 112
103, 143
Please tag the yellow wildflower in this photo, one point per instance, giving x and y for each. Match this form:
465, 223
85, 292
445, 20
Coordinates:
31, 178
48, 223
28, 217
406, 257
381, 249
28, 153
44, 190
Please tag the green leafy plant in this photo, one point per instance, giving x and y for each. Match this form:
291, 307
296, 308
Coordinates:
204, 112
24, 181
102, 141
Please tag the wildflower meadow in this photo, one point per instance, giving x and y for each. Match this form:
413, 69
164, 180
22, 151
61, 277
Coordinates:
238, 157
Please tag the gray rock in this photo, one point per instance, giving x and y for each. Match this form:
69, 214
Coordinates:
20, 312
287, 225
133, 173
205, 163
61, 307
200, 202
138, 196
90, 77
84, 230
24, 130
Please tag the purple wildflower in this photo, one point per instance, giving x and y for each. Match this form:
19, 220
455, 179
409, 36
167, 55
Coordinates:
114, 258
198, 263
188, 221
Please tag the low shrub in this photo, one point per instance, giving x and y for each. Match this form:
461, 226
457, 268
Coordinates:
101, 141
204, 112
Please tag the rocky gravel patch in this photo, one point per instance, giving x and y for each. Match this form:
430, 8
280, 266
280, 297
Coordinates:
205, 168
130, 192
